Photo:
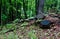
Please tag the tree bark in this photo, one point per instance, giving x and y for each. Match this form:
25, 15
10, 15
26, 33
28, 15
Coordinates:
39, 9
25, 8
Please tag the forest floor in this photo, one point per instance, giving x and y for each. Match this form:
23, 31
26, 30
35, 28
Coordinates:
29, 32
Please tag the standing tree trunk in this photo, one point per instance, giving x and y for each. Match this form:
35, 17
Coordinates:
25, 8
1, 11
10, 12
18, 7
39, 8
